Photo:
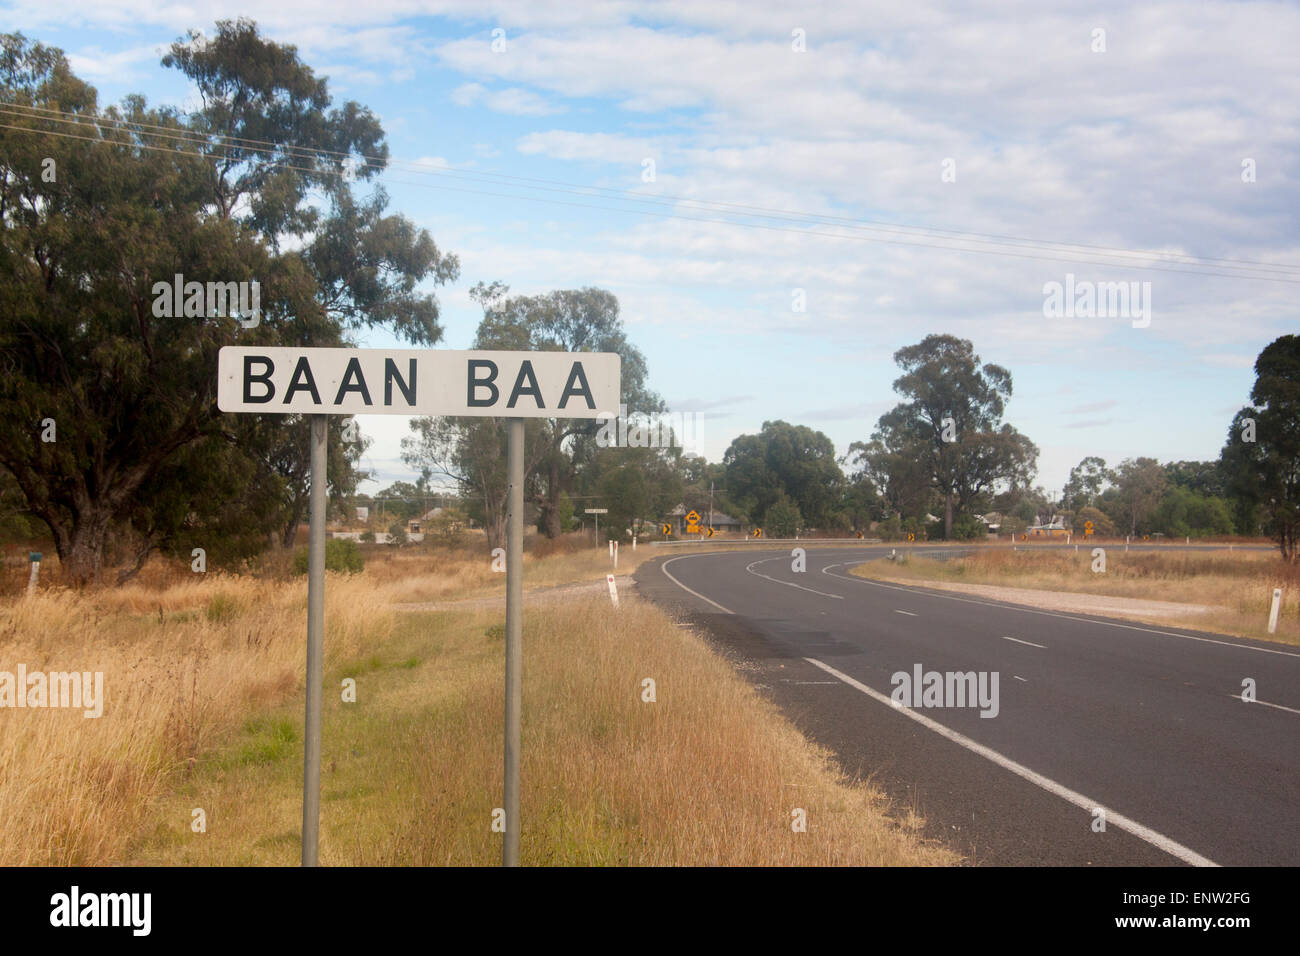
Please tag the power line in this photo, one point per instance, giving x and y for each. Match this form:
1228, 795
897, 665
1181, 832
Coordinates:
203, 139
1246, 270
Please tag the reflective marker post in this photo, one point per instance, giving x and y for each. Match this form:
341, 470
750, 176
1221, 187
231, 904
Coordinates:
315, 645
514, 633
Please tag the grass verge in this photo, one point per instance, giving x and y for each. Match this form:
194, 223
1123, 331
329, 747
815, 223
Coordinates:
204, 712
1237, 586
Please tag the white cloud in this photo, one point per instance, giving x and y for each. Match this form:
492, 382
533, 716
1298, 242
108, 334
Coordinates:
512, 101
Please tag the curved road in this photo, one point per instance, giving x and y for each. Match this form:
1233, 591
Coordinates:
1144, 723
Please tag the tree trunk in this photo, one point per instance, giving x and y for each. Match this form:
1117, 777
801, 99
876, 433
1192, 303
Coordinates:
551, 508
494, 516
141, 556
81, 553
947, 517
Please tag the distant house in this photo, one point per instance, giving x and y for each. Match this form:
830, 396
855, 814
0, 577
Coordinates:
724, 522
1053, 529
417, 525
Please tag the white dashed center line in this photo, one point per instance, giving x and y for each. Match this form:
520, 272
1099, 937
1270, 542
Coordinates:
1019, 641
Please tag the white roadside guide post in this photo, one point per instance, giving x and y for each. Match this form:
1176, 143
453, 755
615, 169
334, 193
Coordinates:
1273, 611
437, 382
35, 558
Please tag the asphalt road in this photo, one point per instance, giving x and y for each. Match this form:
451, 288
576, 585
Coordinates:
1145, 722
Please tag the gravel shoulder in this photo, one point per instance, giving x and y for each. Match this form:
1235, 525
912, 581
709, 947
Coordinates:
1069, 601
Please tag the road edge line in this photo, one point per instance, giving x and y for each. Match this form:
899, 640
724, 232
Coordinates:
1146, 834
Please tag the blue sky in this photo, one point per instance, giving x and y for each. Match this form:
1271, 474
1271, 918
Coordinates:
1137, 147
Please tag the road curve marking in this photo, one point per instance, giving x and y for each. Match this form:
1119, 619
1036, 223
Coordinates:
1146, 834
1068, 617
750, 568
908, 613
664, 567
1019, 641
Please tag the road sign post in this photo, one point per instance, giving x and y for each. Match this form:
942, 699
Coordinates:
514, 635
597, 512
315, 646
318, 382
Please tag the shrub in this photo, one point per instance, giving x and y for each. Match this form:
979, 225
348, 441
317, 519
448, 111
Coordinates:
341, 554
367, 537
397, 534
782, 519
968, 528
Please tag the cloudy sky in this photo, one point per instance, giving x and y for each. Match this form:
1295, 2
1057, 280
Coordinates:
901, 169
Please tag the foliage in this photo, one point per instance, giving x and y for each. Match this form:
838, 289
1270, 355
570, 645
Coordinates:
142, 453
782, 519
785, 461
948, 436
1186, 513
1102, 526
1264, 473
341, 554
968, 528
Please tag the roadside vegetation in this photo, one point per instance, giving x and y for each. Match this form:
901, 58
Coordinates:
203, 680
1237, 586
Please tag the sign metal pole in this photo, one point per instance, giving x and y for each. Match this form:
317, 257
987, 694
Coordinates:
316, 382
315, 641
514, 635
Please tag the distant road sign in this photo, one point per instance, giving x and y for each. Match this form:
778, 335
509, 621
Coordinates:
911, 536
666, 530
758, 532
417, 382
596, 511
692, 517
709, 533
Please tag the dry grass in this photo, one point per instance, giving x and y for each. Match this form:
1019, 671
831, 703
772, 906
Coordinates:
410, 576
181, 667
1237, 585
204, 685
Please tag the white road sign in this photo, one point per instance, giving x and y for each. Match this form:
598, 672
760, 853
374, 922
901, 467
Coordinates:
597, 511
417, 382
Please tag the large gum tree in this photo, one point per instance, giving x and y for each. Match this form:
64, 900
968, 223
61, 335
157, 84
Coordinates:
260, 183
